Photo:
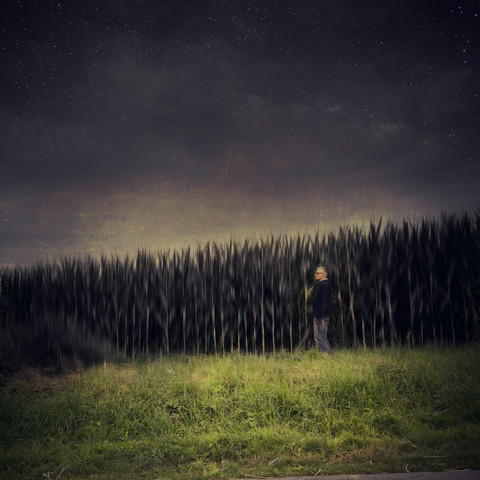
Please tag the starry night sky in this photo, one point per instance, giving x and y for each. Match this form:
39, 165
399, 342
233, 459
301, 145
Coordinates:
159, 124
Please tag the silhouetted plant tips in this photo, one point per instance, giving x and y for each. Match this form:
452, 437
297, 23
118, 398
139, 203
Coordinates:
408, 284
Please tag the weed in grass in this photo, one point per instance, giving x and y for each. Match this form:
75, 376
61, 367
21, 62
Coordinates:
233, 415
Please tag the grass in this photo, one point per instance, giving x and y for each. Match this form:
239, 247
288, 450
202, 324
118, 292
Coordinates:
198, 417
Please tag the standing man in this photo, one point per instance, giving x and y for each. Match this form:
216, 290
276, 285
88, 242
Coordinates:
322, 310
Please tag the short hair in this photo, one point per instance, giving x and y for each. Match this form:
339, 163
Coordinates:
323, 269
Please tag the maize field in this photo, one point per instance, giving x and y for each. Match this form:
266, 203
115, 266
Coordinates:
411, 283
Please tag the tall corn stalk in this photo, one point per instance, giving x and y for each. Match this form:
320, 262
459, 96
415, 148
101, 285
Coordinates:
410, 284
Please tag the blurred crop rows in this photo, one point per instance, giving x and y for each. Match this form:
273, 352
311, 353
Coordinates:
408, 284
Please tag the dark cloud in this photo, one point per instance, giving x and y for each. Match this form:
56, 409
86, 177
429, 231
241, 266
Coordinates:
369, 105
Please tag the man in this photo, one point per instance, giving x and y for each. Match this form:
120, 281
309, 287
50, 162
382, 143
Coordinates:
322, 310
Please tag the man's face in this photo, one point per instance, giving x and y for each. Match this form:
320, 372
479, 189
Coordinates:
319, 275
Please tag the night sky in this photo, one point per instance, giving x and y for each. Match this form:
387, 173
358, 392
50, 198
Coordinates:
159, 124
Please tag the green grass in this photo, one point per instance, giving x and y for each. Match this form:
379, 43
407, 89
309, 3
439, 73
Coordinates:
188, 417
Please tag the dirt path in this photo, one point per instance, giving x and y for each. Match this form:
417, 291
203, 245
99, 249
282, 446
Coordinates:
450, 475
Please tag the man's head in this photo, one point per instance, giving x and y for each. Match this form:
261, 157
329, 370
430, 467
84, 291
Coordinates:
320, 273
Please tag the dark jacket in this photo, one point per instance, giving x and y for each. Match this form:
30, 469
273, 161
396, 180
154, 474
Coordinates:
322, 303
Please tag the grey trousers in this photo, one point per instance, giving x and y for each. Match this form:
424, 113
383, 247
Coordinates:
320, 328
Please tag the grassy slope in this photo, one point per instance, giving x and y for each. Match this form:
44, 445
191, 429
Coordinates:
221, 417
